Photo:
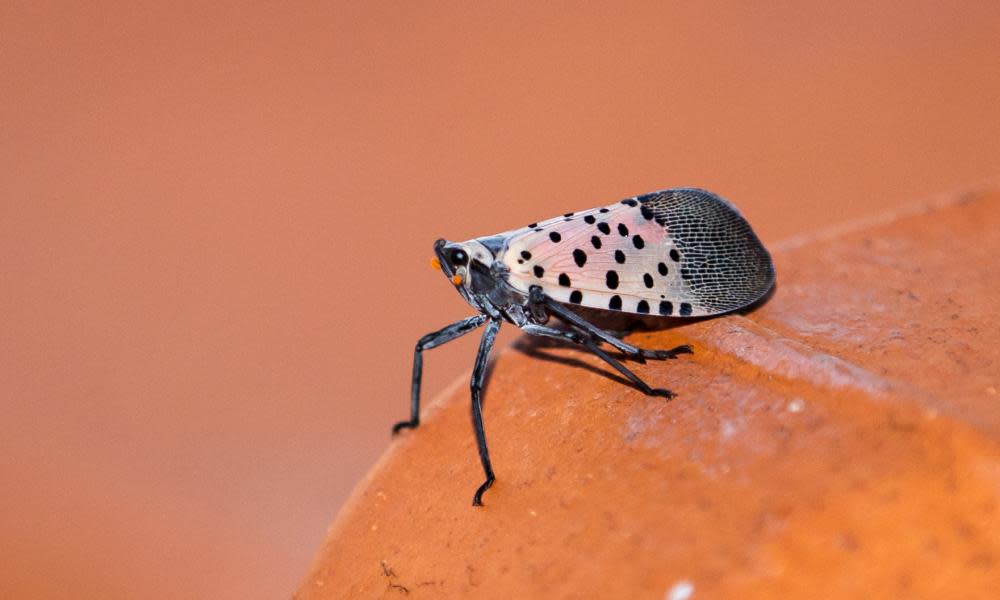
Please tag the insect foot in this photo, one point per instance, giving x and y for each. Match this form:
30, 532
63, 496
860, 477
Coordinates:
404, 425
477, 500
667, 354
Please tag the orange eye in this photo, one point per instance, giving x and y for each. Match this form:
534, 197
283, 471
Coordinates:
456, 279
436, 264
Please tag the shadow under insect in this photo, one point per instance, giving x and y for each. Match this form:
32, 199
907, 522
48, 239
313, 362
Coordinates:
538, 348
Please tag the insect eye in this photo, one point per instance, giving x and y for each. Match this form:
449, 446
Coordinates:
459, 257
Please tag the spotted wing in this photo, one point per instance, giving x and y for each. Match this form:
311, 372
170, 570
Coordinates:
680, 252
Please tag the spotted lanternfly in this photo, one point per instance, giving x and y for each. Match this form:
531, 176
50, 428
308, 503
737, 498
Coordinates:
674, 253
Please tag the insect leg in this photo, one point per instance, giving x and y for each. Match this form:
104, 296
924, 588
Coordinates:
592, 346
478, 376
628, 349
432, 340
536, 304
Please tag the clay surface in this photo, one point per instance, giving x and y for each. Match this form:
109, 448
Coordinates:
845, 437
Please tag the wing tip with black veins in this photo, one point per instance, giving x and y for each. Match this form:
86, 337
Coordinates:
722, 261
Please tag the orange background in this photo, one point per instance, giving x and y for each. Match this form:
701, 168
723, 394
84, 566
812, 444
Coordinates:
216, 224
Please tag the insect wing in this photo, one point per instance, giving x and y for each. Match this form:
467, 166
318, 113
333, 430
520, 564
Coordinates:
681, 252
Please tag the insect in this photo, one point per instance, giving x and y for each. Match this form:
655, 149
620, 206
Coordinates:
674, 253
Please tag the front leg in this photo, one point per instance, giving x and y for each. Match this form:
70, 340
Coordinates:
432, 340
478, 377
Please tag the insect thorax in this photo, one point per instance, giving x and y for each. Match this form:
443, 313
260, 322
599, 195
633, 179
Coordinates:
487, 288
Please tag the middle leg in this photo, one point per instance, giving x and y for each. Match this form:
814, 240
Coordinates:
629, 350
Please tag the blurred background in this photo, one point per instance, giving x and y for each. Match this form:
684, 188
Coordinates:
216, 224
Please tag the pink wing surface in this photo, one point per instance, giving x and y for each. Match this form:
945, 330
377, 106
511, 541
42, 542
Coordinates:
681, 252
